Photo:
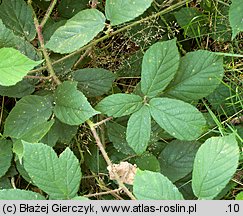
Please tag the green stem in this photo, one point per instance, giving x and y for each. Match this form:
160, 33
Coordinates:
48, 13
93, 43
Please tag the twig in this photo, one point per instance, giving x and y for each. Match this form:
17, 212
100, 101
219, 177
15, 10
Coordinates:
104, 193
36, 77
102, 122
107, 159
48, 13
87, 52
93, 43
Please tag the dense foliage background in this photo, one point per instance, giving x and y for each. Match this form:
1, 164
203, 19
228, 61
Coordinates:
121, 99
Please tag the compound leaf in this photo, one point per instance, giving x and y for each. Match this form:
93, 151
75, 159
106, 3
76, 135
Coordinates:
77, 32
14, 66
199, 74
120, 11
159, 66
118, 105
236, 17
72, 106
58, 177
179, 119
28, 112
154, 186
17, 15
139, 129
215, 163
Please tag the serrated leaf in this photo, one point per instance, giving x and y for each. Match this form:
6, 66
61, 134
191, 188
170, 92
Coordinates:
117, 135
179, 119
160, 63
68, 8
17, 15
28, 112
14, 66
154, 186
19, 90
17, 194
72, 106
9, 39
139, 129
5, 156
58, 177
94, 81
77, 32
118, 105
148, 162
120, 11
236, 17
215, 163
199, 74
176, 159
33, 135
59, 132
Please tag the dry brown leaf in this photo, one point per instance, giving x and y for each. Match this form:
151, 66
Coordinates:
125, 171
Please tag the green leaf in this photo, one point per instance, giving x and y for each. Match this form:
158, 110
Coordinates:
58, 177
239, 196
192, 21
118, 105
33, 135
59, 132
176, 159
120, 11
68, 8
159, 66
14, 66
154, 186
148, 162
199, 74
179, 119
72, 106
94, 81
77, 32
139, 129
117, 135
215, 163
28, 112
9, 39
17, 15
17, 194
235, 17
19, 90
80, 198
5, 156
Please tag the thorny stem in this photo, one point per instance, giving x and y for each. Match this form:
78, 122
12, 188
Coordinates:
38, 28
48, 13
165, 11
107, 159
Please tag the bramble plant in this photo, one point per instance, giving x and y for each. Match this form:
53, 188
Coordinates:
73, 120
